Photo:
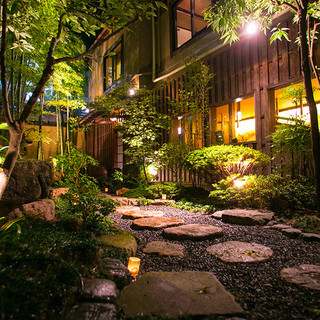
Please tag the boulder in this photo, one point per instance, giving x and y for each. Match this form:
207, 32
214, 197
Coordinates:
305, 275
121, 191
236, 251
177, 294
115, 270
123, 241
246, 217
29, 181
99, 290
155, 223
193, 232
58, 192
93, 311
164, 249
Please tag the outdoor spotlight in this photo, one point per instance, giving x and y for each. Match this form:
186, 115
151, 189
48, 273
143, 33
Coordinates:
133, 266
252, 28
239, 183
86, 110
131, 92
113, 119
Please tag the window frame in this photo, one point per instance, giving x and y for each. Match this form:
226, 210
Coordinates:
112, 57
175, 26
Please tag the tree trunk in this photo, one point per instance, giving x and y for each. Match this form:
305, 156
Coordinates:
40, 142
306, 72
16, 132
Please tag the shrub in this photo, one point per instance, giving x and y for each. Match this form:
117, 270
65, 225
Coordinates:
307, 223
220, 162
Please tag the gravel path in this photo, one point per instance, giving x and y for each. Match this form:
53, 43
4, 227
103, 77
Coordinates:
256, 286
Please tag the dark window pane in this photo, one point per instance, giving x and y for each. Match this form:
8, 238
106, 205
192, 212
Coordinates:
184, 5
200, 6
198, 24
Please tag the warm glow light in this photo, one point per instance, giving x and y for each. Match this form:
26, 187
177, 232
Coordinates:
238, 99
164, 197
86, 110
106, 190
133, 266
180, 117
179, 130
239, 183
239, 115
252, 28
152, 170
131, 92
113, 119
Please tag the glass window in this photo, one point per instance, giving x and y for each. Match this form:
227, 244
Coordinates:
112, 65
189, 19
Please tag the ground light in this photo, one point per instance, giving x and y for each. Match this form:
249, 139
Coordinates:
133, 266
239, 183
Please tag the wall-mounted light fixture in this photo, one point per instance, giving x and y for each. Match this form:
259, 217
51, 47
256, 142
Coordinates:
179, 130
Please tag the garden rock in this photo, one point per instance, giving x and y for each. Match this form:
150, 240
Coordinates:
164, 248
99, 290
193, 232
123, 241
115, 270
42, 209
246, 217
160, 202
217, 214
155, 223
310, 236
175, 294
142, 214
58, 192
236, 251
280, 226
93, 311
125, 209
292, 233
305, 275
121, 191
29, 181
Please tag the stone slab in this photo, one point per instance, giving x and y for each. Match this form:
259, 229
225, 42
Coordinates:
177, 294
305, 275
292, 233
164, 249
160, 202
280, 226
310, 236
236, 251
155, 223
217, 214
99, 290
123, 241
141, 214
246, 217
125, 209
93, 311
115, 270
193, 232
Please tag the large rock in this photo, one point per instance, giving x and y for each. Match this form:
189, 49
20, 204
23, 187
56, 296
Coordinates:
193, 232
305, 275
175, 294
246, 217
115, 270
93, 311
99, 290
41, 209
29, 181
155, 223
236, 251
123, 241
132, 214
164, 249
58, 192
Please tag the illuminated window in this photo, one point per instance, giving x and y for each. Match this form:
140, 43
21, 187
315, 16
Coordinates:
290, 102
112, 64
234, 122
189, 19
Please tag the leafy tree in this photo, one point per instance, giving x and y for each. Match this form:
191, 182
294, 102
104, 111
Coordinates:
228, 16
52, 28
193, 97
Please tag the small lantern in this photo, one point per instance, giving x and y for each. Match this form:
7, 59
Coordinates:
106, 190
164, 197
133, 266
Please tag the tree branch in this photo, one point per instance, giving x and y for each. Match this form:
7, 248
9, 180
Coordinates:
311, 51
5, 99
286, 4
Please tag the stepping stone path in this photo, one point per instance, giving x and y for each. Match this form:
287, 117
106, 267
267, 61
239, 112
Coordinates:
174, 294
164, 248
155, 223
99, 290
193, 232
236, 251
142, 214
123, 241
305, 275
245, 217
93, 311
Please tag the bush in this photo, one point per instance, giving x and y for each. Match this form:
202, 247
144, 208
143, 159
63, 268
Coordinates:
219, 162
307, 223
272, 192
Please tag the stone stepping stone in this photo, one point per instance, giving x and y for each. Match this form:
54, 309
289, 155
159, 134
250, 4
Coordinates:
164, 249
155, 223
310, 236
292, 233
99, 290
246, 217
142, 214
125, 209
93, 311
160, 202
193, 232
175, 294
305, 275
115, 270
123, 241
236, 251
280, 226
